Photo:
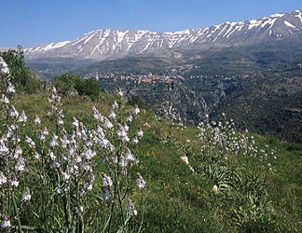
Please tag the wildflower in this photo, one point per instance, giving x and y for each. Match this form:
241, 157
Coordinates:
30, 142
3, 67
60, 121
54, 141
215, 189
79, 209
3, 148
100, 132
4, 99
75, 122
122, 134
5, 224
141, 183
20, 165
129, 157
45, 132
185, 159
120, 93
106, 195
135, 110
37, 120
140, 133
114, 105
36, 155
22, 118
3, 179
55, 164
14, 182
65, 176
135, 140
106, 180
97, 115
131, 209
112, 115
88, 154
129, 118
10, 88
108, 124
13, 113
26, 196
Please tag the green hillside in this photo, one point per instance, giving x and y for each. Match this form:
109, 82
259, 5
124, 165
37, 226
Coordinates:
104, 165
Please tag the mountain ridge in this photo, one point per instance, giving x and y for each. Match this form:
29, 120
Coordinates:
105, 44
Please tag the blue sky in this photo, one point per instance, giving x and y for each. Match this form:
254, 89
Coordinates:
33, 22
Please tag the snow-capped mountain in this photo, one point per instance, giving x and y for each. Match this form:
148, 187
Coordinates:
109, 43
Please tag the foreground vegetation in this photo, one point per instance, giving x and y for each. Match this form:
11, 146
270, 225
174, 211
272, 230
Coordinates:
207, 179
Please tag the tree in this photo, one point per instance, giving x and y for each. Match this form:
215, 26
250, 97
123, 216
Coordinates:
21, 76
68, 83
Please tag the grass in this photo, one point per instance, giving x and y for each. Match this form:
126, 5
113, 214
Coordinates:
178, 200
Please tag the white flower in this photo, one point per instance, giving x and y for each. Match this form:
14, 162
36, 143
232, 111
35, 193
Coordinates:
55, 164
215, 189
4, 99
37, 120
60, 121
22, 118
114, 105
130, 118
10, 88
20, 165
65, 176
5, 223
3, 67
129, 157
122, 134
108, 124
45, 132
185, 159
106, 180
52, 155
135, 140
3, 148
14, 182
141, 183
88, 186
13, 112
54, 141
105, 194
75, 123
131, 209
120, 93
36, 155
135, 110
88, 154
112, 115
3, 179
26, 196
30, 142
140, 133
79, 209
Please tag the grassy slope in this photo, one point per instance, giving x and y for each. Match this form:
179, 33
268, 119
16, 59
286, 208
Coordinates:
176, 199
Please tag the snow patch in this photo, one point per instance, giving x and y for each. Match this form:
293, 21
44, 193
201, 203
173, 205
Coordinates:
277, 15
299, 16
56, 45
270, 21
254, 23
289, 24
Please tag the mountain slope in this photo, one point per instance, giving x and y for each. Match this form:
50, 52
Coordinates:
111, 44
